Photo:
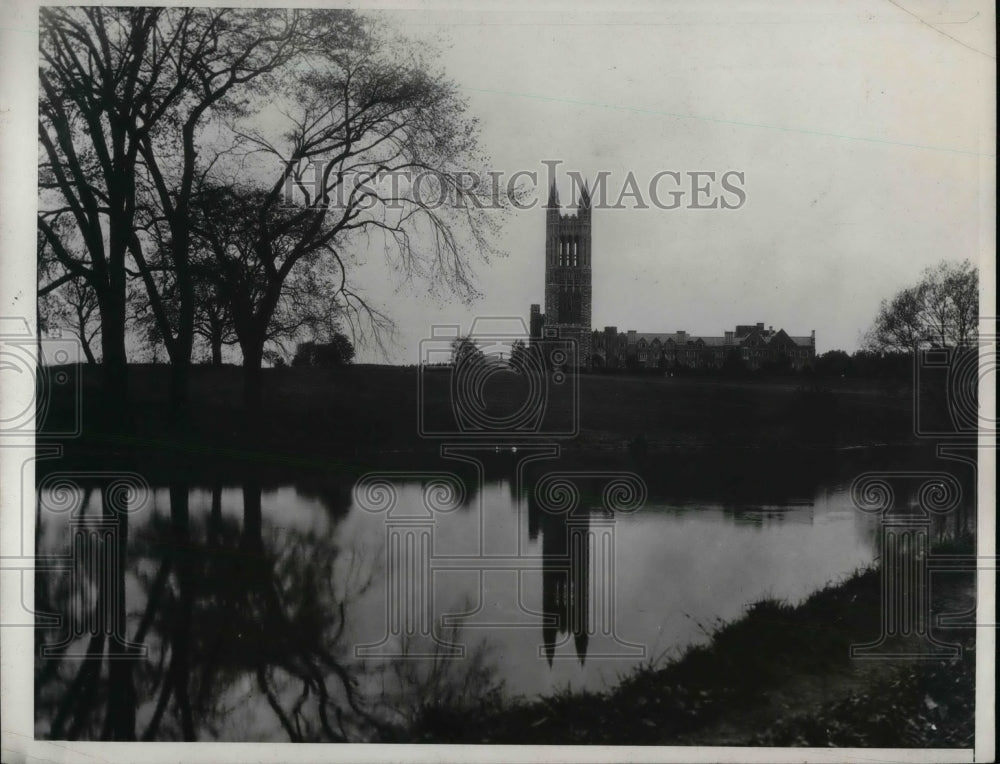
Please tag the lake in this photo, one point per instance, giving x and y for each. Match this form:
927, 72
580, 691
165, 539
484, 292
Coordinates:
325, 605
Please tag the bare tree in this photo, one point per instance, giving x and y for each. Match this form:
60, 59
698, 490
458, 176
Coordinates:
124, 94
101, 92
942, 310
65, 300
238, 54
361, 125
213, 324
74, 306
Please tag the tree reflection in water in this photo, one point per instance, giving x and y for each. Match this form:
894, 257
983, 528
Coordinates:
98, 602
234, 612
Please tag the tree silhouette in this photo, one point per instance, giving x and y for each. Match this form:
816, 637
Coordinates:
126, 95
941, 310
368, 131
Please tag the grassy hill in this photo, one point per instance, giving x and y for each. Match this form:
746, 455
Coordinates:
374, 409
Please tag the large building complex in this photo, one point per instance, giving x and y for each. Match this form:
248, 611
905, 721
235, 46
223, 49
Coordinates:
568, 301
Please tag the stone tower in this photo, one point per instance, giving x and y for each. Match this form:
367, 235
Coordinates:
567, 272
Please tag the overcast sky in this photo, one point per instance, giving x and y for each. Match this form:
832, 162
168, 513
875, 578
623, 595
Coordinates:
865, 137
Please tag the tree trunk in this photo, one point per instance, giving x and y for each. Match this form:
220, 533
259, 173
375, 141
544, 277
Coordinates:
120, 721
180, 374
180, 360
81, 333
184, 339
253, 356
88, 352
114, 361
184, 563
216, 345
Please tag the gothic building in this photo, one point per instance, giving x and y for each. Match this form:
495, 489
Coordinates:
567, 276
749, 345
568, 311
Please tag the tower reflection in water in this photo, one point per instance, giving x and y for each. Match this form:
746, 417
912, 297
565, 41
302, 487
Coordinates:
566, 595
576, 514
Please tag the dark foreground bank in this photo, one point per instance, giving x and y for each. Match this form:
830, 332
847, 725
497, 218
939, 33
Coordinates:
378, 409
781, 675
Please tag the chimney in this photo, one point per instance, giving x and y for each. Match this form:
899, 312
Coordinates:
729, 338
631, 336
760, 326
536, 322
770, 330
681, 336
813, 338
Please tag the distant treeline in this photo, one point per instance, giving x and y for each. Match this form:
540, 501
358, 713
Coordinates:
862, 364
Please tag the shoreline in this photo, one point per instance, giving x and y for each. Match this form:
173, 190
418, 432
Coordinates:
779, 675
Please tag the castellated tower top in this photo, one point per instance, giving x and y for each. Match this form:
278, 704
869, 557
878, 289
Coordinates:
553, 202
568, 271
554, 209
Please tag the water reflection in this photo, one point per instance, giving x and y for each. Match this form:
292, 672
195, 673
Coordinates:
232, 612
238, 612
566, 548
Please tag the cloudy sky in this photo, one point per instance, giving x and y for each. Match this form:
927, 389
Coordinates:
864, 132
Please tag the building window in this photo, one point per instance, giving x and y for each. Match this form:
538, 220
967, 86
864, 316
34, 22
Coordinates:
570, 306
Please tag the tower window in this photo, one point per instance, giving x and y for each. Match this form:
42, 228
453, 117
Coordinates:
570, 305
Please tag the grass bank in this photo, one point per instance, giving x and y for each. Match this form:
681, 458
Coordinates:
779, 675
378, 409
